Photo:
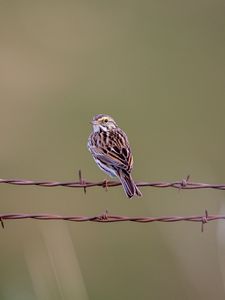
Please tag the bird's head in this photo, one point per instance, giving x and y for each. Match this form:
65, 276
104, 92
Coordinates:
103, 122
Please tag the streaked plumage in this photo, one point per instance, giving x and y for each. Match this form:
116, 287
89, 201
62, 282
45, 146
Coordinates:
110, 149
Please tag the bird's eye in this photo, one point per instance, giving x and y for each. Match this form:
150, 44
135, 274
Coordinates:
106, 120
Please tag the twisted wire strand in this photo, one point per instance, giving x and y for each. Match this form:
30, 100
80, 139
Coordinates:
108, 218
105, 217
185, 184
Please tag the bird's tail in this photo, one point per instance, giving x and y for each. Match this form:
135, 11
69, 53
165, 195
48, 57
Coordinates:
129, 186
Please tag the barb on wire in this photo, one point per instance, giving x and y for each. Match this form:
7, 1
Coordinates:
184, 184
1, 220
108, 218
204, 220
82, 181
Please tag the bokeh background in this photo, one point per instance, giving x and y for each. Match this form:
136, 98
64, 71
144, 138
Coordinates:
158, 67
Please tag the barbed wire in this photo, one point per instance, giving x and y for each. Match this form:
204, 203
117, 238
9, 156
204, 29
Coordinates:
107, 218
184, 184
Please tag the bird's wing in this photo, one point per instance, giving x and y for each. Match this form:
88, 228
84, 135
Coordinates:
116, 152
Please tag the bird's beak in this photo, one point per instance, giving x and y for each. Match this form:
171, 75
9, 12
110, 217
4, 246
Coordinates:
93, 123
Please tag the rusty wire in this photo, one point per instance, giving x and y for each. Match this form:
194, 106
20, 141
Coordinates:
108, 218
184, 184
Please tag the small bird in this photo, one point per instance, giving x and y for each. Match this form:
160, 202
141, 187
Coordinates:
111, 151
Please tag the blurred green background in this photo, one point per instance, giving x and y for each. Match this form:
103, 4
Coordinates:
158, 67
